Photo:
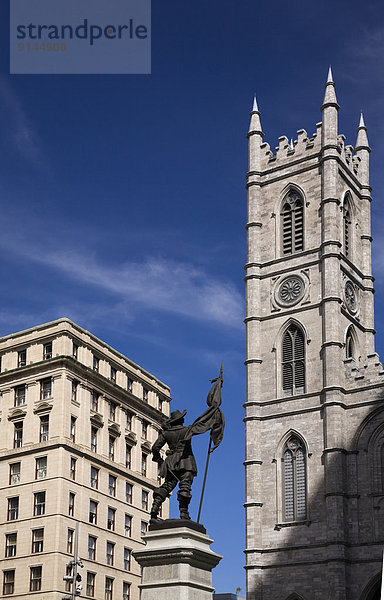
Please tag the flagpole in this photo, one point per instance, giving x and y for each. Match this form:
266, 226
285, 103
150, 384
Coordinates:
382, 580
204, 480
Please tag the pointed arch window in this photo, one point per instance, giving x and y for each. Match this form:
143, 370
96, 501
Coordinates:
294, 480
292, 223
293, 361
349, 344
347, 226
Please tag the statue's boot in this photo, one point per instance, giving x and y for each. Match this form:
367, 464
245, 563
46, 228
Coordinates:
183, 507
159, 495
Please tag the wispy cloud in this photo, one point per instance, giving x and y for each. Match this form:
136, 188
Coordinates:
157, 284
21, 132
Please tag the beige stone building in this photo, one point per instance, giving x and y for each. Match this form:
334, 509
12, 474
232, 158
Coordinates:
77, 423
314, 410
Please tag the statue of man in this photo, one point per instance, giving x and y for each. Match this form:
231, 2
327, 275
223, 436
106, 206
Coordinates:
179, 466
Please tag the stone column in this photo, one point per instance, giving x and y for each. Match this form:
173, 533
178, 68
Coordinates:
177, 562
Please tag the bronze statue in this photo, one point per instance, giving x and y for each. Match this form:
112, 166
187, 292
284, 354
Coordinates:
179, 466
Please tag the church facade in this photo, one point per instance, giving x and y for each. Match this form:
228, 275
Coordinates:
314, 413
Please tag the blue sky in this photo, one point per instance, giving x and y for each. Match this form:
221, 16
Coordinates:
123, 203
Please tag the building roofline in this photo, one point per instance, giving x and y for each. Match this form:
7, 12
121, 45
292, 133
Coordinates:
91, 335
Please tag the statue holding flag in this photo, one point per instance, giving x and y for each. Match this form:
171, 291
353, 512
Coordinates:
179, 466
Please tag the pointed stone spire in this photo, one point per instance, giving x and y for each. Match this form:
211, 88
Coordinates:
329, 110
330, 94
255, 137
362, 150
362, 138
255, 125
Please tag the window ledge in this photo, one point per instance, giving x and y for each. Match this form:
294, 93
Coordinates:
279, 526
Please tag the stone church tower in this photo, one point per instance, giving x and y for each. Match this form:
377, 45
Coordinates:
315, 399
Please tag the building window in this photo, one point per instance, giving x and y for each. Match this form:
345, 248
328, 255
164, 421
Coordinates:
94, 478
46, 388
160, 404
93, 512
143, 464
37, 540
90, 584
14, 473
111, 519
8, 582
68, 583
127, 559
292, 223
347, 227
143, 528
47, 351
112, 485
94, 439
293, 363
145, 394
22, 358
294, 480
108, 588
129, 384
10, 545
94, 401
110, 554
44, 428
128, 526
112, 411
111, 447
73, 468
95, 363
129, 418
39, 504
13, 509
144, 429
18, 435
91, 547
72, 432
126, 590
71, 504
70, 538
113, 375
75, 350
349, 344
20, 395
128, 493
128, 456
75, 385
41, 467
144, 500
35, 579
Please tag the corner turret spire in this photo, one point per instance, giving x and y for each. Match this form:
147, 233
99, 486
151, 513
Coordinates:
255, 125
255, 137
329, 110
330, 94
362, 138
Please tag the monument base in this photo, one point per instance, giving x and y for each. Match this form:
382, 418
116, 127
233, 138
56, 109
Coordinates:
177, 562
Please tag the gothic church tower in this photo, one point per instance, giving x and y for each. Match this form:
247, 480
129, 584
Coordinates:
314, 414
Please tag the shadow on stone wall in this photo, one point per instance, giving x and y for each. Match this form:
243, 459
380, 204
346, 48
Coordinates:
345, 560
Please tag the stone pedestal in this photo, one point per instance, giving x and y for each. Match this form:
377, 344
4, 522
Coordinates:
177, 562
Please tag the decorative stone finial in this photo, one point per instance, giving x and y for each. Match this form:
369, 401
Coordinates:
330, 76
255, 108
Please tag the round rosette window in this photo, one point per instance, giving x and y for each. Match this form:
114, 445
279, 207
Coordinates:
350, 297
290, 291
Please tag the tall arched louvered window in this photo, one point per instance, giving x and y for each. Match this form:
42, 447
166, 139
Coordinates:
349, 344
293, 361
294, 480
347, 227
292, 223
